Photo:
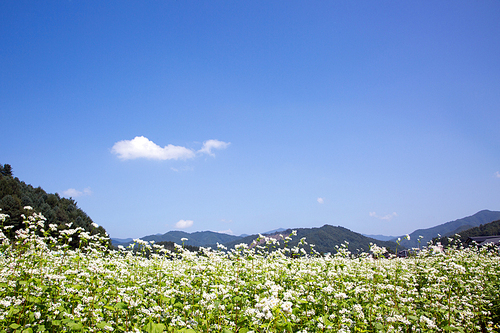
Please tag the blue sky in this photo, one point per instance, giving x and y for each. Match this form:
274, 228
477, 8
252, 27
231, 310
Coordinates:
246, 116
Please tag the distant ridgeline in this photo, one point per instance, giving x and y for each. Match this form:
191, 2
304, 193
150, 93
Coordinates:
326, 239
488, 229
450, 228
16, 194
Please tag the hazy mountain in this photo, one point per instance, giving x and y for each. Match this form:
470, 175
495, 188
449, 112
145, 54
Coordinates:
274, 231
450, 228
381, 237
121, 241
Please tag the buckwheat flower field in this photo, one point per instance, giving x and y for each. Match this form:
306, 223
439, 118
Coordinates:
47, 286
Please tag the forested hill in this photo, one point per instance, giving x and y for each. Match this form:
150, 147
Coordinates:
16, 194
488, 229
199, 238
450, 228
326, 239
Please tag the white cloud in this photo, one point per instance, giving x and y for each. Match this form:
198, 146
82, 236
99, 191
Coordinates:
213, 144
142, 147
387, 217
226, 221
497, 174
321, 200
183, 224
228, 232
73, 193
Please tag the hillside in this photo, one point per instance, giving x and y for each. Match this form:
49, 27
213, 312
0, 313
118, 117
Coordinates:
326, 238
199, 238
450, 228
488, 229
15, 195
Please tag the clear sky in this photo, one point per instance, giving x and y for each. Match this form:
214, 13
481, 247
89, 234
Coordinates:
246, 116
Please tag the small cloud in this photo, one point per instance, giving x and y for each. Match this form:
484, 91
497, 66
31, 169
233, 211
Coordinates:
497, 174
142, 147
183, 224
228, 232
387, 217
321, 200
73, 193
226, 221
213, 144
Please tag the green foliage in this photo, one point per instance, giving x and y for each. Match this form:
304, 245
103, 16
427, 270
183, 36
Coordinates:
6, 170
18, 198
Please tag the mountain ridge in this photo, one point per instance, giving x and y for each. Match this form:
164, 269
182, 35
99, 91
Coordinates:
325, 238
450, 228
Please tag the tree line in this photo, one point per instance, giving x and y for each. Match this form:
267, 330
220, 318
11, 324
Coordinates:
15, 195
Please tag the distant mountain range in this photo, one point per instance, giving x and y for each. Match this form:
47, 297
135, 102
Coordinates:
327, 237
450, 228
198, 238
382, 237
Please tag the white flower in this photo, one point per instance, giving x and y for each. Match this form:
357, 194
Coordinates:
287, 307
340, 295
241, 246
28, 207
183, 239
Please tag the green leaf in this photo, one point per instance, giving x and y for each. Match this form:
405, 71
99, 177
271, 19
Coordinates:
121, 306
75, 326
14, 326
154, 328
102, 324
14, 310
226, 330
28, 330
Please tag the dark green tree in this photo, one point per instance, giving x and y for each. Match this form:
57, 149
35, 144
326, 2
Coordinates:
16, 194
6, 170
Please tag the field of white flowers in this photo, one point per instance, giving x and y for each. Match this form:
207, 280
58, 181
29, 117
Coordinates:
47, 286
